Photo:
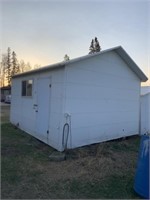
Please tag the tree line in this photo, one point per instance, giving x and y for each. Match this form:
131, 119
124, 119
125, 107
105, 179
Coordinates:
10, 66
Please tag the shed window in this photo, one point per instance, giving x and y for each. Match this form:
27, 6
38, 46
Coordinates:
27, 88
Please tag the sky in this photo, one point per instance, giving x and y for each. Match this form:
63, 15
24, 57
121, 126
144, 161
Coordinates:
43, 31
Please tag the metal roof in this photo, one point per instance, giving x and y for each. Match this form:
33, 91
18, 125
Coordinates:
119, 50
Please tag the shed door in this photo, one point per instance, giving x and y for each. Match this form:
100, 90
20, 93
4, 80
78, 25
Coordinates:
43, 108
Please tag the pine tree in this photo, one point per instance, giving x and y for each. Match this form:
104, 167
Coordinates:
91, 47
97, 46
3, 69
66, 58
15, 65
8, 66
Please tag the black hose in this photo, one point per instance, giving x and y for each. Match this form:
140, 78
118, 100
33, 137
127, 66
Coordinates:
65, 136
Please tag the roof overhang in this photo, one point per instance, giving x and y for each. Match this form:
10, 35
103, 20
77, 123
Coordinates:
119, 50
125, 57
42, 69
133, 66
5, 88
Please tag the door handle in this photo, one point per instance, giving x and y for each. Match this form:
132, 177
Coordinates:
35, 107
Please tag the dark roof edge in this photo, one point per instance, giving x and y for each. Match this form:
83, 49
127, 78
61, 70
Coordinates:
5, 87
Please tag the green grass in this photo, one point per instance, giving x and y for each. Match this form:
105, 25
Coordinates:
97, 171
5, 112
111, 187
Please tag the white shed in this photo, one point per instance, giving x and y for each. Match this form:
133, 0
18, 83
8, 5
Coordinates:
145, 90
86, 100
145, 110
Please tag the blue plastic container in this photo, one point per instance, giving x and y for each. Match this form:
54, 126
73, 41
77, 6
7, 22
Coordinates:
141, 183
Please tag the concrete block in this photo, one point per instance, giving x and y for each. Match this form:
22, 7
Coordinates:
57, 156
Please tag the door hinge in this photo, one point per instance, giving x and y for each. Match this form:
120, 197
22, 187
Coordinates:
47, 131
50, 85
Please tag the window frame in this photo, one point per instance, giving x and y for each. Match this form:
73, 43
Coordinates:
25, 90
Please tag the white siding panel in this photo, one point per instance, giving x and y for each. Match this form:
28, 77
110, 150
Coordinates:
56, 106
86, 92
103, 132
100, 106
16, 104
27, 114
96, 119
110, 64
23, 112
145, 113
102, 96
99, 78
57, 91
